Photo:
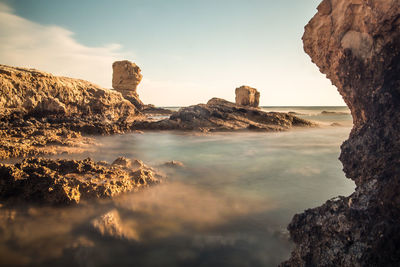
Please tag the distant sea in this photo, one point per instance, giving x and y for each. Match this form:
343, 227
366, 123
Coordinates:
228, 206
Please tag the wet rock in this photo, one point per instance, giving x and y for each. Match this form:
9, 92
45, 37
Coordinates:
221, 115
69, 181
357, 45
247, 96
126, 78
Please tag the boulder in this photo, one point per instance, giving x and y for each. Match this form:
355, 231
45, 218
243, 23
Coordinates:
357, 45
247, 96
126, 78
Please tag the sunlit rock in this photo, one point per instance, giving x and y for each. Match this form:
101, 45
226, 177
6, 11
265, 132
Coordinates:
126, 78
45, 114
33, 92
247, 96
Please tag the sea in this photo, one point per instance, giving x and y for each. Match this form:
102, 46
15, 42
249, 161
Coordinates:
229, 205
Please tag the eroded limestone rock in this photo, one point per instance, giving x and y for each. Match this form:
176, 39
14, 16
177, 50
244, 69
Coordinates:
45, 114
126, 78
69, 181
36, 93
247, 96
357, 45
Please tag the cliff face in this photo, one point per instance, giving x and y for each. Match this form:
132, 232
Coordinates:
356, 43
36, 93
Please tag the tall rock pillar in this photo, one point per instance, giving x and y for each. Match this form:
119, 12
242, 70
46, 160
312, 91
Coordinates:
126, 78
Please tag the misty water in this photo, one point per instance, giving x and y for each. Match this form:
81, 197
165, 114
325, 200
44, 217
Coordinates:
228, 206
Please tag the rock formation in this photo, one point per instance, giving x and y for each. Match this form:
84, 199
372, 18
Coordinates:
33, 92
69, 181
357, 45
247, 96
45, 114
126, 78
221, 115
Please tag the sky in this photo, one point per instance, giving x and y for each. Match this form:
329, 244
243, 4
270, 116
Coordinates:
188, 50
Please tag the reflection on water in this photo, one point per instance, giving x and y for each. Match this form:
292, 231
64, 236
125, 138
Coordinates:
228, 206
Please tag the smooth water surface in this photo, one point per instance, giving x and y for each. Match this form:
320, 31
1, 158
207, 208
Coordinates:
228, 206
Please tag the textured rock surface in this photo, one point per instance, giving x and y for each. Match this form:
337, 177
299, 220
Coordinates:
33, 92
69, 181
31, 137
221, 115
126, 78
45, 114
247, 96
357, 45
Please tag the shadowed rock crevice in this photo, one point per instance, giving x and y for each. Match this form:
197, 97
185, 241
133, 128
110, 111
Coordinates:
357, 45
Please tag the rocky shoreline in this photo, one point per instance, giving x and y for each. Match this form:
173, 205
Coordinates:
42, 114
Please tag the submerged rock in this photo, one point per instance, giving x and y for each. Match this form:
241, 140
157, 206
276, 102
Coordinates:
69, 181
110, 225
247, 96
174, 164
221, 115
357, 45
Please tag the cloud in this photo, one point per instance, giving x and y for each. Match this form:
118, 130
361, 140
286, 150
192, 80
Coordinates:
24, 43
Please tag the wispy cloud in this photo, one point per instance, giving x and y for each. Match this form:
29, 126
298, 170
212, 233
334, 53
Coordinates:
25, 43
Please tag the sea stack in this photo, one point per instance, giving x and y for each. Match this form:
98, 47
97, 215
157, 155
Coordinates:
126, 78
247, 96
357, 45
